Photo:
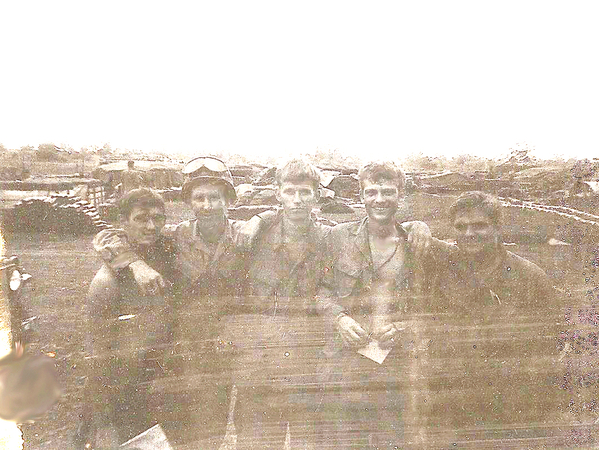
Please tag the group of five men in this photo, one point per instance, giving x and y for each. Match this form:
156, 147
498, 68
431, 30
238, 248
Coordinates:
287, 309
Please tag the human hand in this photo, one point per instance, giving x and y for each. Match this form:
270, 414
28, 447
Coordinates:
351, 332
148, 280
386, 334
419, 237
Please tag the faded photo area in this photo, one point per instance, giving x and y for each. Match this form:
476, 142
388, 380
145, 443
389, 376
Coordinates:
319, 302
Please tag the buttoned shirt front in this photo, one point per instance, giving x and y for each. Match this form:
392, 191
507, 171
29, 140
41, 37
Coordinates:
273, 272
277, 331
347, 285
205, 272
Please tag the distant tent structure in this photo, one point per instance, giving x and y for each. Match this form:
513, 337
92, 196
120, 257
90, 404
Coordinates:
157, 174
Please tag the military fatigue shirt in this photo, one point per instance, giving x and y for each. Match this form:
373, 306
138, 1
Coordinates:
492, 340
347, 282
278, 333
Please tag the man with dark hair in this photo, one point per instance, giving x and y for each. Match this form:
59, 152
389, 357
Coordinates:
482, 201
489, 297
365, 298
126, 345
479, 269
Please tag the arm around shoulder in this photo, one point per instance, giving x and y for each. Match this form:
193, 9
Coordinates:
248, 232
114, 249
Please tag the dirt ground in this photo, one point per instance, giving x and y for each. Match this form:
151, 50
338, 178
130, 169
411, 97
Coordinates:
62, 268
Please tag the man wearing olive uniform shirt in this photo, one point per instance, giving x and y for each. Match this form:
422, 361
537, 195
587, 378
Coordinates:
280, 341
371, 288
499, 357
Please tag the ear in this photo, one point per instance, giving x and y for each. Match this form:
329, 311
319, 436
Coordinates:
317, 193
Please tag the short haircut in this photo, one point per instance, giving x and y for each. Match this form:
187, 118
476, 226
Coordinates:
143, 198
477, 200
298, 170
382, 170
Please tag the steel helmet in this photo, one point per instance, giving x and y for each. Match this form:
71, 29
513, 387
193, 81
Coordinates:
207, 169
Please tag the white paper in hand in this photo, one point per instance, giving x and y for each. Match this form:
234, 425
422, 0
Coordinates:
374, 351
152, 439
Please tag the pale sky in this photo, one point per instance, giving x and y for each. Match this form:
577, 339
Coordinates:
253, 77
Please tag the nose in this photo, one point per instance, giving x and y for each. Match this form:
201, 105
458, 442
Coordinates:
297, 198
151, 224
379, 197
205, 204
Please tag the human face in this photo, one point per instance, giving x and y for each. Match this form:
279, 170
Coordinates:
209, 204
144, 225
381, 199
476, 233
297, 199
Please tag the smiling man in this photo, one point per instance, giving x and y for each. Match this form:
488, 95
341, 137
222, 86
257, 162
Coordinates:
479, 270
126, 346
366, 296
496, 303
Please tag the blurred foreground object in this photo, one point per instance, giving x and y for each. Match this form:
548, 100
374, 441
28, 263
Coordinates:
28, 385
152, 439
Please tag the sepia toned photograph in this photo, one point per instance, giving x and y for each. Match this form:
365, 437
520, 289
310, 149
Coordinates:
299, 225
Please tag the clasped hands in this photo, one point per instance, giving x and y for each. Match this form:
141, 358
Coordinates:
354, 335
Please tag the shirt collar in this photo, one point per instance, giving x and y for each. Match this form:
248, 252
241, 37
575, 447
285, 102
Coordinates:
362, 229
276, 234
225, 239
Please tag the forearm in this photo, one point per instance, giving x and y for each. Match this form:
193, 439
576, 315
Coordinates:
114, 249
327, 304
